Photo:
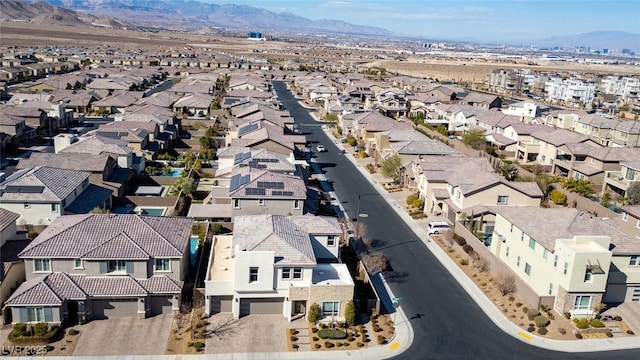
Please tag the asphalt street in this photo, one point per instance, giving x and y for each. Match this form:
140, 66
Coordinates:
447, 323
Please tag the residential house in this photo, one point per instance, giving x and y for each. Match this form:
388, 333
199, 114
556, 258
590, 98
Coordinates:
96, 145
100, 266
257, 191
42, 193
521, 133
270, 266
546, 143
573, 92
485, 101
367, 124
193, 105
15, 129
104, 169
630, 220
525, 110
11, 267
619, 181
447, 189
408, 144
571, 260
262, 135
626, 133
596, 126
117, 102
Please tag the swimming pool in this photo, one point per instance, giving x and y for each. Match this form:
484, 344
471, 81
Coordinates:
174, 172
152, 211
193, 249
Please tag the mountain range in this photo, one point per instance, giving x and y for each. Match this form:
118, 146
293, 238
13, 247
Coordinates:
192, 15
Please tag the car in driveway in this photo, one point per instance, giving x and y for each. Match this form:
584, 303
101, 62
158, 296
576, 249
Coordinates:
320, 148
437, 227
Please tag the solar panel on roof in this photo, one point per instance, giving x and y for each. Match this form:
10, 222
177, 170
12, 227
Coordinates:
276, 192
245, 179
235, 183
254, 191
24, 189
287, 193
271, 184
247, 129
246, 155
237, 159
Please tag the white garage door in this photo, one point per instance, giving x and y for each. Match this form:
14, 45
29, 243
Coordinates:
114, 308
261, 306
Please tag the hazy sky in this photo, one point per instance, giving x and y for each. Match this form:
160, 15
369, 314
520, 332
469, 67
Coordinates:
480, 20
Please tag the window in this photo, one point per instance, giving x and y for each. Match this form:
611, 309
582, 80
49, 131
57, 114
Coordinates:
331, 240
634, 260
555, 260
532, 243
42, 265
511, 228
544, 158
625, 216
236, 203
522, 236
54, 207
518, 261
566, 268
163, 265
36, 314
582, 302
550, 288
253, 274
330, 308
588, 275
503, 199
297, 273
527, 269
506, 254
77, 264
116, 266
296, 204
545, 254
286, 273
638, 224
261, 202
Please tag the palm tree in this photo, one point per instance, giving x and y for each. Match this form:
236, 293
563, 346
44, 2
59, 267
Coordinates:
509, 171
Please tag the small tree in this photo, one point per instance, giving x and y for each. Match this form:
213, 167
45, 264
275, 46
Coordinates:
633, 193
313, 315
509, 171
506, 284
375, 262
475, 139
185, 184
331, 117
411, 198
392, 168
350, 313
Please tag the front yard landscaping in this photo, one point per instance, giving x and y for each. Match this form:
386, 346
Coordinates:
41, 340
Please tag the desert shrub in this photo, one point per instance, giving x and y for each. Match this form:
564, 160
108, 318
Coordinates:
543, 308
351, 141
328, 344
558, 197
630, 332
518, 304
314, 313
464, 261
198, 346
531, 328
359, 344
332, 334
411, 198
541, 321
317, 346
73, 332
596, 323
40, 328
314, 329
293, 331
525, 309
609, 334
511, 298
315, 338
578, 336
483, 265
20, 329
542, 330
467, 248
293, 338
459, 240
582, 323
617, 318
567, 315
381, 340
562, 331
506, 284
350, 313
417, 204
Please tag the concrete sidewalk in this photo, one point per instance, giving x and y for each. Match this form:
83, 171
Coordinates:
478, 296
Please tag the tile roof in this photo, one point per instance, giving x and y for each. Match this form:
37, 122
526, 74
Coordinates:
9, 255
289, 186
317, 224
109, 285
69, 161
75, 236
7, 218
547, 225
290, 243
99, 145
161, 285
35, 292
93, 196
57, 184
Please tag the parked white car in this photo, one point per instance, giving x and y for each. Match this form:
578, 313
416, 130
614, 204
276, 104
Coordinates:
437, 227
320, 148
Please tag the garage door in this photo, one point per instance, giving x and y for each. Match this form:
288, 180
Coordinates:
161, 305
107, 309
221, 304
261, 306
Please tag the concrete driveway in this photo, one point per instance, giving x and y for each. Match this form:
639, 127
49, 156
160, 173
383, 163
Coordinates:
253, 333
124, 336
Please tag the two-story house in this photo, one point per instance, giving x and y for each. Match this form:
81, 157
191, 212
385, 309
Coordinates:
571, 260
98, 266
270, 266
41, 194
619, 181
11, 267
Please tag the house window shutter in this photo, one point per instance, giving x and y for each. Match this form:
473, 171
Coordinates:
48, 314
103, 267
24, 314
129, 267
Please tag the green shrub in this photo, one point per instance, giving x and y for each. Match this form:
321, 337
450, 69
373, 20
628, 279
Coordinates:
328, 344
541, 321
596, 323
617, 318
532, 313
525, 309
518, 304
531, 328
350, 313
459, 240
578, 336
41, 328
543, 308
542, 330
198, 346
630, 332
467, 248
332, 334
464, 261
609, 333
20, 329
567, 315
73, 331
411, 198
317, 346
582, 323
359, 344
314, 313
558, 197
351, 141
418, 203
